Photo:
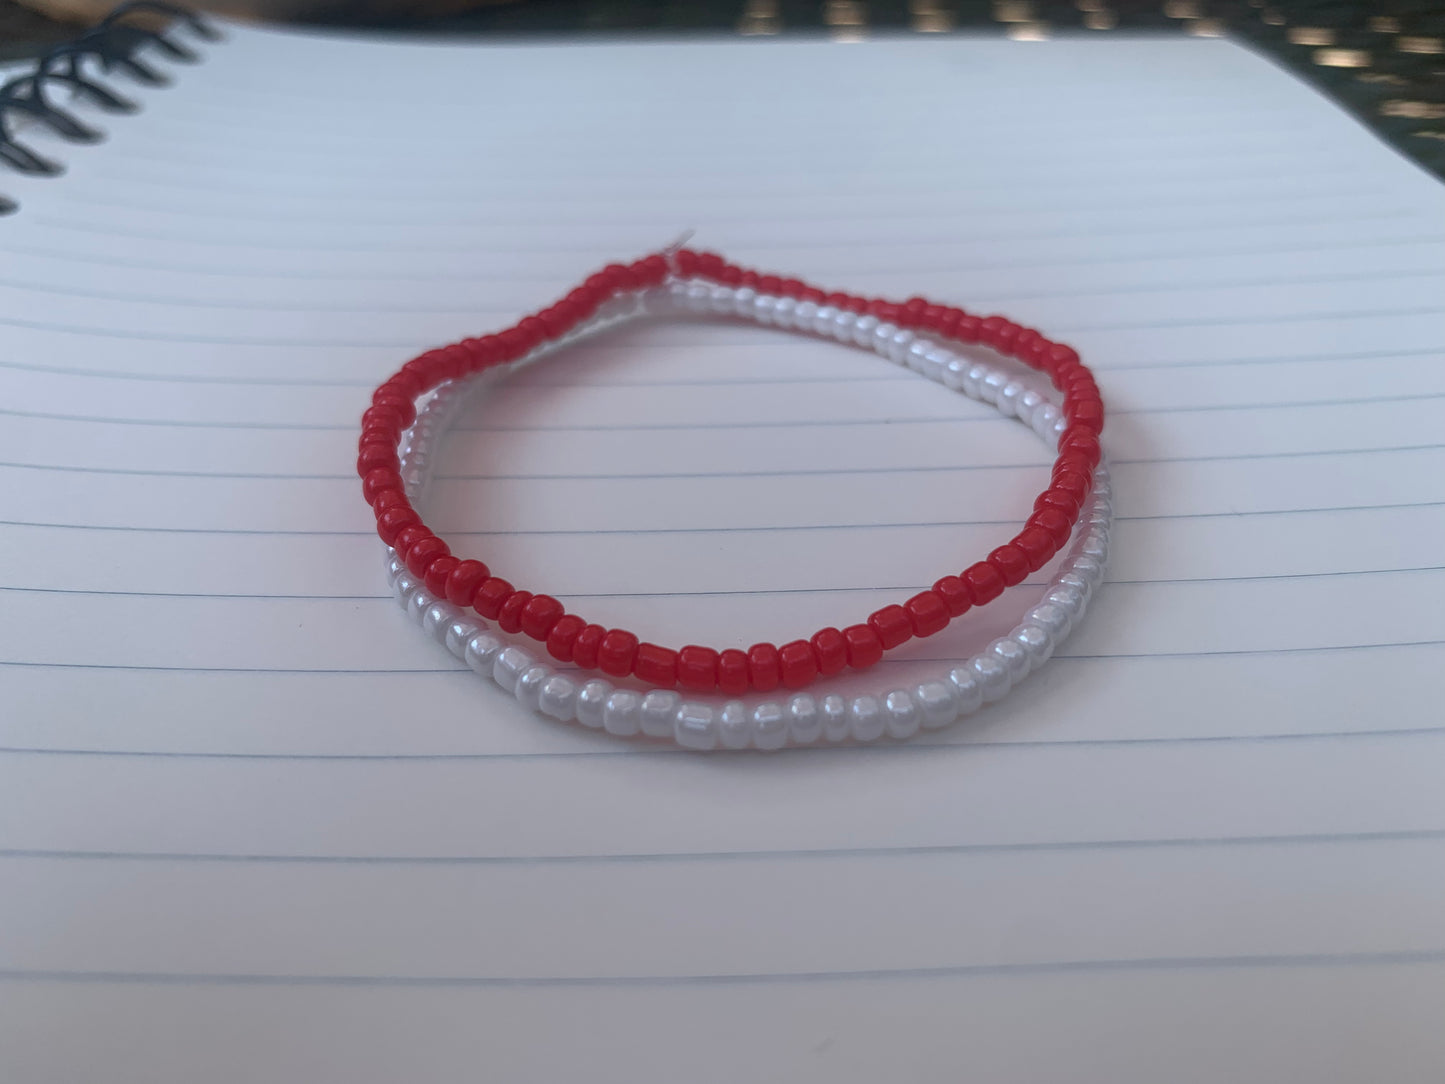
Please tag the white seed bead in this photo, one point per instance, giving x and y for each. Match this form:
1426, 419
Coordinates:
592, 702
394, 566
993, 677
559, 698
967, 687
698, 298
659, 712
528, 689
883, 337
735, 726
416, 606
1013, 656
901, 715
1037, 642
763, 307
898, 346
695, 726
865, 718
721, 300
481, 652
784, 312
842, 328
823, 320
1008, 398
458, 633
954, 373
990, 388
622, 714
404, 587
805, 315
863, 328
437, 619
1050, 617
743, 300
508, 665
805, 721
835, 718
770, 725
938, 704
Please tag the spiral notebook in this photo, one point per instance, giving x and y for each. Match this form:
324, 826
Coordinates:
253, 827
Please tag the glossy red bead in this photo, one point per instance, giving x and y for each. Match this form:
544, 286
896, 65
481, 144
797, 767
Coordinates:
985, 582
1064, 502
422, 553
656, 665
954, 594
1088, 413
509, 617
1052, 520
393, 520
563, 635
892, 625
377, 480
926, 613
588, 646
437, 573
1072, 483
732, 671
464, 580
764, 669
376, 454
831, 650
1012, 563
408, 537
616, 654
797, 664
864, 647
697, 668
539, 615
388, 499
1037, 545
492, 592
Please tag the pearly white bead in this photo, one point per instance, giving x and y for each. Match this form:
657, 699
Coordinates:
528, 689
770, 725
695, 726
901, 715
508, 665
622, 714
658, 712
735, 725
592, 702
559, 698
805, 720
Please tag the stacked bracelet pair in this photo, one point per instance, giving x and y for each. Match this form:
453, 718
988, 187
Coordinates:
445, 591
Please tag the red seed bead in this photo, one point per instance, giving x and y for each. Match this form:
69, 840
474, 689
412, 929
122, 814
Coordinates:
422, 553
408, 537
656, 665
393, 520
1072, 462
403, 383
588, 646
686, 261
697, 668
985, 582
764, 669
616, 654
954, 594
377, 480
509, 617
770, 284
968, 328
831, 650
1088, 413
386, 416
1038, 546
388, 499
563, 636
404, 406
1011, 562
864, 647
437, 573
1064, 502
1052, 520
464, 581
492, 592
539, 615
797, 663
1072, 483
732, 671
892, 625
927, 613
374, 454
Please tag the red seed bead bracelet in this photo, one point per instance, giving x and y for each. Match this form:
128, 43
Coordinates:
764, 666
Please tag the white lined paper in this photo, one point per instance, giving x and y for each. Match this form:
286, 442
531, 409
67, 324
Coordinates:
221, 802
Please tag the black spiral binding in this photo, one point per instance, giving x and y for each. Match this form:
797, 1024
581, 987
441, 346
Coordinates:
113, 44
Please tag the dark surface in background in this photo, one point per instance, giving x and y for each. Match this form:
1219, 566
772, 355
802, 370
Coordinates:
1384, 62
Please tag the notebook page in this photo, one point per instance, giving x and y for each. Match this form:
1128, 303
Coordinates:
253, 827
